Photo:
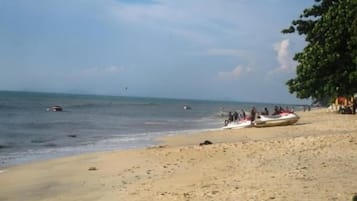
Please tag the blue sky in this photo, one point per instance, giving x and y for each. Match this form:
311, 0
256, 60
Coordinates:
199, 49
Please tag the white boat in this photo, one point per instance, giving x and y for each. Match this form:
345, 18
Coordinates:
282, 119
238, 124
55, 108
187, 107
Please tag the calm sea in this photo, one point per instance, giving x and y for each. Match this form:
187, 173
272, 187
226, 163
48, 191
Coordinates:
88, 123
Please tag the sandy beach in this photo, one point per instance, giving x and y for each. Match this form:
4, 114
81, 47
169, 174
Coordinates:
316, 159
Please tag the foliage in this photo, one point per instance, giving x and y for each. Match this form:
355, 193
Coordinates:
327, 66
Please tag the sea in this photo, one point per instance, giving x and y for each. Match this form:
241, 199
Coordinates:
30, 131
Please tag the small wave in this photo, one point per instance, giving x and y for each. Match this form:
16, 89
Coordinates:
109, 104
221, 114
48, 125
39, 141
86, 105
156, 123
125, 139
50, 145
8, 107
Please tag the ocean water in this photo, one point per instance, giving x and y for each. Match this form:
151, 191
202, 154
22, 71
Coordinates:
88, 123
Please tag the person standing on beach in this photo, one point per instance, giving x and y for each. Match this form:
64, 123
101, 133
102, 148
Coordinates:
266, 111
276, 110
230, 117
243, 114
253, 112
235, 115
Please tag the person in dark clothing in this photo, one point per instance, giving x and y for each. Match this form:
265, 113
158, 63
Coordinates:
266, 111
253, 112
281, 110
243, 114
235, 115
230, 117
276, 110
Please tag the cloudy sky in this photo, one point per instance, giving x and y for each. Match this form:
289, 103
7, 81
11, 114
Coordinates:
197, 49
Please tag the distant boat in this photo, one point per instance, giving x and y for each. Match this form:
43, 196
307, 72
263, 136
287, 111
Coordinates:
186, 107
55, 108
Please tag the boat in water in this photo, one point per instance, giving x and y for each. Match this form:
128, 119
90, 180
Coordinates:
244, 123
187, 107
55, 108
281, 119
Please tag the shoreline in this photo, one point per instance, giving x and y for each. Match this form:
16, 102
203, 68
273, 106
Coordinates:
313, 160
63, 153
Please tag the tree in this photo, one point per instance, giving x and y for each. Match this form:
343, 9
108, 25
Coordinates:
327, 66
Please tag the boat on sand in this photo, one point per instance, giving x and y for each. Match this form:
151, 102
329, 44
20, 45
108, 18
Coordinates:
281, 119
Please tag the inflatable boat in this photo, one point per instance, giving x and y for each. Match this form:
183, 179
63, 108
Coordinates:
282, 119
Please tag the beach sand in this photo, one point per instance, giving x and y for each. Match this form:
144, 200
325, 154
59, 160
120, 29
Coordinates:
315, 159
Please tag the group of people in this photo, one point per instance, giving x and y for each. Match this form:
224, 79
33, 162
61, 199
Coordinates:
279, 110
235, 116
307, 108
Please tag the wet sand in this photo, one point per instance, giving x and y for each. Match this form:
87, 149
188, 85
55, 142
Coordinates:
316, 159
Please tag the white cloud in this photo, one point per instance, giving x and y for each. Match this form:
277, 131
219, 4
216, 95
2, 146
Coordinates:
286, 63
113, 69
249, 69
96, 72
192, 35
234, 74
226, 52
139, 12
283, 54
188, 19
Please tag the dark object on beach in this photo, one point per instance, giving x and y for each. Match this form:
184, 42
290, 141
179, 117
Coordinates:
346, 110
158, 147
206, 142
354, 198
56, 108
73, 136
92, 169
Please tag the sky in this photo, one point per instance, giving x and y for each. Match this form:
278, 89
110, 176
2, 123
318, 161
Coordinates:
191, 49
